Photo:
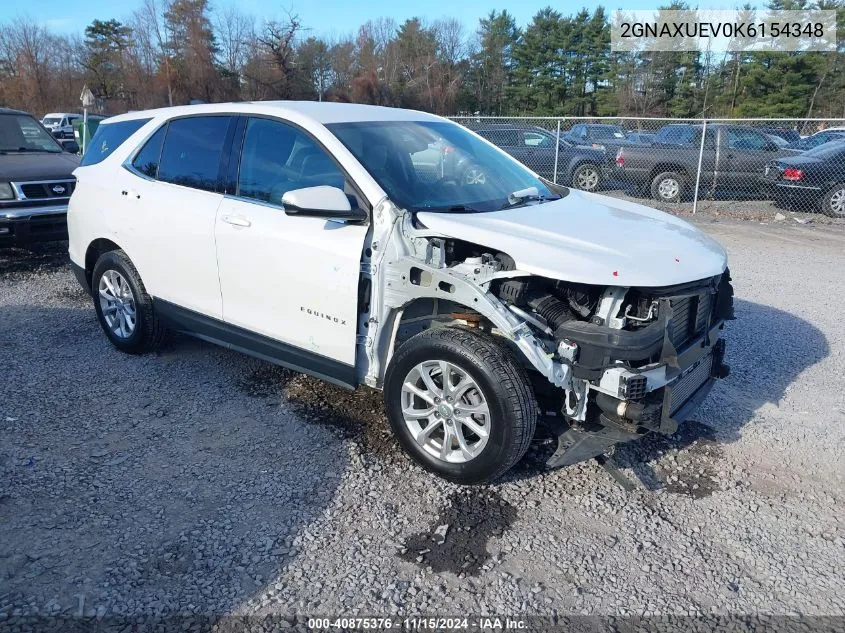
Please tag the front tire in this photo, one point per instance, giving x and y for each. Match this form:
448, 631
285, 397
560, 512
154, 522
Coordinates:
833, 202
587, 177
460, 403
124, 309
668, 187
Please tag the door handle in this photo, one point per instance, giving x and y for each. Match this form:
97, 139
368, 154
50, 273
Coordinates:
236, 220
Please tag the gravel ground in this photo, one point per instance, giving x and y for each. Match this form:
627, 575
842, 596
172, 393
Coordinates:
197, 480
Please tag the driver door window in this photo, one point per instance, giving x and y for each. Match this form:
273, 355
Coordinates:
277, 158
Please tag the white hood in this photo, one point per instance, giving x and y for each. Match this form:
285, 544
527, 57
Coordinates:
591, 239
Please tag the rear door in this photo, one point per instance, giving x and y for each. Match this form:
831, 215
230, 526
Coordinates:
292, 279
169, 194
745, 156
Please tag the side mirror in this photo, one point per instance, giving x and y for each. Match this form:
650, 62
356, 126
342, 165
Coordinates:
71, 147
320, 202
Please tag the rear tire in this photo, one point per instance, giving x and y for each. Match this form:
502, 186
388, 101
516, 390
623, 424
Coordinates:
586, 177
124, 309
668, 186
833, 202
472, 174
487, 425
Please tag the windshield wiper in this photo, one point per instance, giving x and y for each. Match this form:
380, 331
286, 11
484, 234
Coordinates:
518, 198
455, 208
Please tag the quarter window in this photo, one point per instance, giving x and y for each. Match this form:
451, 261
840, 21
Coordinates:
191, 153
108, 138
277, 158
146, 162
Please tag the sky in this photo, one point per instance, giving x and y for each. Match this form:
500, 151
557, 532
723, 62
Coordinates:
322, 17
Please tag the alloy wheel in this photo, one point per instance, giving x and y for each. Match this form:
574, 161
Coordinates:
837, 202
669, 188
587, 179
445, 411
474, 176
117, 304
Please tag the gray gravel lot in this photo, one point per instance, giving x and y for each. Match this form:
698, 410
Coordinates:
197, 480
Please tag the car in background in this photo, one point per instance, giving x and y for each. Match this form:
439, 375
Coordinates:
731, 163
819, 138
787, 134
595, 134
641, 138
36, 181
581, 167
812, 181
777, 140
60, 124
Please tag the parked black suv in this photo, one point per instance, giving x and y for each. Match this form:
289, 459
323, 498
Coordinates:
36, 181
579, 167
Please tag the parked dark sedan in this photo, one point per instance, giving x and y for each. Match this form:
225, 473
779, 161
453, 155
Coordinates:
812, 181
580, 167
819, 138
595, 134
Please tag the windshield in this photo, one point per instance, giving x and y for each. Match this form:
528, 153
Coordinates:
433, 165
22, 133
607, 131
51, 120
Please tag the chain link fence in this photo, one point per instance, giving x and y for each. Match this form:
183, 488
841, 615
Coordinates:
690, 165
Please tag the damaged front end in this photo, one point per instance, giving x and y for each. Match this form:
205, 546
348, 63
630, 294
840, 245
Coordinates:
609, 364
649, 357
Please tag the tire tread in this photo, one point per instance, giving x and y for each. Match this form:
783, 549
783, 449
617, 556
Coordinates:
153, 332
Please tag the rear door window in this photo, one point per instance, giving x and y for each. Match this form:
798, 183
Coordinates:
192, 150
746, 139
109, 137
676, 134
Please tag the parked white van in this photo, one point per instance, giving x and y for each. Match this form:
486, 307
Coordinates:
60, 124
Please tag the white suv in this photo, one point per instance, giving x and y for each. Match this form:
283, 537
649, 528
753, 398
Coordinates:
306, 234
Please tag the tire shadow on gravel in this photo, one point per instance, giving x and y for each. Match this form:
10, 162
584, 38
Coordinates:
356, 415
767, 350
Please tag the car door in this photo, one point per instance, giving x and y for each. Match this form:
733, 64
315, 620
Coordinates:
746, 155
291, 279
538, 152
168, 196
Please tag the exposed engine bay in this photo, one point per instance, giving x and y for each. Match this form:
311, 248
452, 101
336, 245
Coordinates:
610, 364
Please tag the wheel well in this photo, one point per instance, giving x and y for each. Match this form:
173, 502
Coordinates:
585, 161
660, 168
424, 313
95, 250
